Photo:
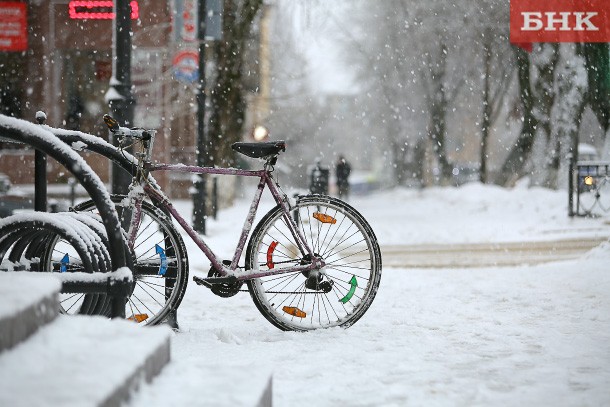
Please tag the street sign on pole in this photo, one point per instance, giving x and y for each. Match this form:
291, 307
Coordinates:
186, 18
186, 66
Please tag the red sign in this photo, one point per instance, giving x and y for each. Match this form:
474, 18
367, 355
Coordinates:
13, 26
559, 21
97, 10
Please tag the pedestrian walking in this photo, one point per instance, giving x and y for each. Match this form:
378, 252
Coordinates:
342, 171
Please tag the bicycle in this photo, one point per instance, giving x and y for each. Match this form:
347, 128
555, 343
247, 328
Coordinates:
312, 263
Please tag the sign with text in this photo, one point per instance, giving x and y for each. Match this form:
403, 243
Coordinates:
185, 20
13, 26
98, 10
559, 21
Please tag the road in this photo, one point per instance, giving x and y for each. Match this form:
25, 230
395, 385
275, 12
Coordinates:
485, 254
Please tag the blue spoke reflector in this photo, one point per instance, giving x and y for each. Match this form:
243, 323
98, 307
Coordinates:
64, 263
163, 257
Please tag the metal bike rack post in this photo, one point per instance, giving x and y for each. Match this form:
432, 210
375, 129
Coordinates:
40, 174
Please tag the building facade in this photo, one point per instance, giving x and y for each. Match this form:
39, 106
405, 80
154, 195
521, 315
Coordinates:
65, 70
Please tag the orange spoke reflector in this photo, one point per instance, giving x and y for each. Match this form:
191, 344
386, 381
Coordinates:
324, 218
294, 311
138, 318
270, 251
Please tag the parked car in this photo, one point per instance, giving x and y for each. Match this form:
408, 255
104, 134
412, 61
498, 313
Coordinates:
10, 203
587, 152
5, 183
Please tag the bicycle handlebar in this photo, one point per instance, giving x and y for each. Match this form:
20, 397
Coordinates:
146, 136
135, 133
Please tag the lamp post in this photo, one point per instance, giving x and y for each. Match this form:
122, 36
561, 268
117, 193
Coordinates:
119, 96
199, 200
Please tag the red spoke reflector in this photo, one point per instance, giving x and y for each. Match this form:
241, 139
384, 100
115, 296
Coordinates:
294, 311
270, 251
138, 318
324, 218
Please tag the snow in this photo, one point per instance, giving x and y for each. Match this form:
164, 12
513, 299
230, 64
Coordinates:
78, 146
122, 274
75, 361
15, 301
516, 335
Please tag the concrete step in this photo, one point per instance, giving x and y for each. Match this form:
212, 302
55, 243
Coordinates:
82, 361
210, 385
28, 301
48, 359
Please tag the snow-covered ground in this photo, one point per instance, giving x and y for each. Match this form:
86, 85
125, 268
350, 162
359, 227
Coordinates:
519, 335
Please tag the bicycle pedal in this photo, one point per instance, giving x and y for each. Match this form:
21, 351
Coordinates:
211, 281
201, 281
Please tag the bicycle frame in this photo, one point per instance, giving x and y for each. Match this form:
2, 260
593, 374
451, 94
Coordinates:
265, 179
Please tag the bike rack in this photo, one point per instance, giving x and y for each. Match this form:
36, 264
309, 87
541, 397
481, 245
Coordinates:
118, 284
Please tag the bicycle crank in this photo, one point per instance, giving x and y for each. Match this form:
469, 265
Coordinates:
224, 287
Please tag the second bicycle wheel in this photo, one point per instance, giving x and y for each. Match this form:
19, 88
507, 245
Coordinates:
336, 295
160, 263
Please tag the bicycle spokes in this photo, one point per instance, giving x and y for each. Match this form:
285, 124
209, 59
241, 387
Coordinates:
337, 292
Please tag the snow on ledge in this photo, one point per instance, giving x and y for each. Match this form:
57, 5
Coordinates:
123, 273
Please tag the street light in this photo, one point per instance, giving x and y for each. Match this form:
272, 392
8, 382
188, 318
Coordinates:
260, 133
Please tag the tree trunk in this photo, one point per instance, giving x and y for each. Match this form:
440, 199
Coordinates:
228, 94
545, 99
437, 103
571, 88
522, 148
597, 58
487, 106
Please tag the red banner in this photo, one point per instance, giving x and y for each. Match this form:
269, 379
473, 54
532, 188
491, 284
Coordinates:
13, 26
559, 21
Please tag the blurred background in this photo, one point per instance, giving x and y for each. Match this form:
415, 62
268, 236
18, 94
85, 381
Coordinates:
411, 93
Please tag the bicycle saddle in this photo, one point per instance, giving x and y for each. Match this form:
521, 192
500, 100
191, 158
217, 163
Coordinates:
259, 150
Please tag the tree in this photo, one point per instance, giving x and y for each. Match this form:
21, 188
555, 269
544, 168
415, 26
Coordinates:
536, 98
597, 61
490, 32
570, 89
228, 94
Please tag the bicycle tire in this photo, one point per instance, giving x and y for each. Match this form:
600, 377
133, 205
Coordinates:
339, 235
151, 301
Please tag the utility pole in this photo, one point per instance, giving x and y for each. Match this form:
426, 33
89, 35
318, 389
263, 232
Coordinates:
199, 200
119, 96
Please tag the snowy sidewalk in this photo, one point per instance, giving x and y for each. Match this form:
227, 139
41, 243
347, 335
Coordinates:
484, 336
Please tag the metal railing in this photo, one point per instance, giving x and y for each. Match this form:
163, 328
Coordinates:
588, 188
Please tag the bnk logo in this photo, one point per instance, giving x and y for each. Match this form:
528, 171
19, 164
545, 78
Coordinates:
559, 21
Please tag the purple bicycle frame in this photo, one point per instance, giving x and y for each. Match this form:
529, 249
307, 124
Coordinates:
265, 179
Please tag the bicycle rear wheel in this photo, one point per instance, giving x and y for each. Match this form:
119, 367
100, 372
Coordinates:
160, 263
336, 295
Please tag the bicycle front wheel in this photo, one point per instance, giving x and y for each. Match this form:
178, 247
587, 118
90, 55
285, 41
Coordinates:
335, 295
160, 263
